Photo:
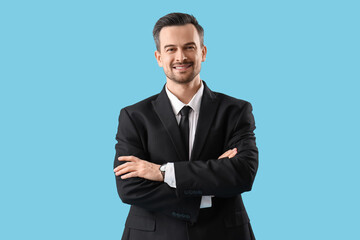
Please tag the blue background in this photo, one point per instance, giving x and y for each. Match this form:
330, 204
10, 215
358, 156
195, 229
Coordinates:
68, 67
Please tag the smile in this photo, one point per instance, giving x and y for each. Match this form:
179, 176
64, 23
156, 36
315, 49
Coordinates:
182, 67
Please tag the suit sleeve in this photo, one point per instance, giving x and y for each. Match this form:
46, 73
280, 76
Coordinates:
223, 177
150, 195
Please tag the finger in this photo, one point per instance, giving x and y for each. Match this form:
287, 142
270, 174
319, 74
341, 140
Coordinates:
125, 170
129, 175
128, 158
124, 165
225, 154
232, 154
229, 153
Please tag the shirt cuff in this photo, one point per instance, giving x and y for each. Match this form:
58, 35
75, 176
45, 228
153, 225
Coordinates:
169, 177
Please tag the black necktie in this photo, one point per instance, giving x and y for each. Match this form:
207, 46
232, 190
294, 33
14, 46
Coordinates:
184, 127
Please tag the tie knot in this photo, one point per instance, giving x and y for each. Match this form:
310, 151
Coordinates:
185, 111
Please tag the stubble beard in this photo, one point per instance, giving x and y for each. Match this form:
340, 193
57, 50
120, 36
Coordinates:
181, 80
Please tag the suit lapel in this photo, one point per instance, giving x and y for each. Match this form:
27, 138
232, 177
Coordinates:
163, 109
208, 109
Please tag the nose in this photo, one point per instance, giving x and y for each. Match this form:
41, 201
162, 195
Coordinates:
180, 56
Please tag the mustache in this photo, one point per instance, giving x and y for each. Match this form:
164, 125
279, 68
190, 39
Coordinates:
181, 63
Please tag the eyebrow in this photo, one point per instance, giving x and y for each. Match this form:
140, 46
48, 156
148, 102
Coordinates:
186, 44
169, 45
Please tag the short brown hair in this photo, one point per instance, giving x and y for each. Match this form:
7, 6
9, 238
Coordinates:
176, 19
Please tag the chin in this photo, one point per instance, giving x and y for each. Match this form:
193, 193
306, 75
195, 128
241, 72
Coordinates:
182, 81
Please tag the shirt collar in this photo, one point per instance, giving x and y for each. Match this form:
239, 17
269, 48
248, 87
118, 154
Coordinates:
194, 103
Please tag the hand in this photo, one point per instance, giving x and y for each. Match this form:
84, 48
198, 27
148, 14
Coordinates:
136, 167
229, 153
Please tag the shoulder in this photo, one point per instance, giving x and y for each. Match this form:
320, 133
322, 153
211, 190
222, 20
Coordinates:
140, 110
142, 105
234, 108
229, 101
225, 100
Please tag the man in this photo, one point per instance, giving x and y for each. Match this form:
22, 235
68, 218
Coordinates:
185, 155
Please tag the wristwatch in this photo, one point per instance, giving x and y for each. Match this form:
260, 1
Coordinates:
162, 170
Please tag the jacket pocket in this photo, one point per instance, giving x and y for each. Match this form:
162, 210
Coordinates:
236, 219
143, 223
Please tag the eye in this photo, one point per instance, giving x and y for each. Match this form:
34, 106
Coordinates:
170, 49
190, 47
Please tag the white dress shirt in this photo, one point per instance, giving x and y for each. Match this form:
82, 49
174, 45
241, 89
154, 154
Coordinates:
177, 105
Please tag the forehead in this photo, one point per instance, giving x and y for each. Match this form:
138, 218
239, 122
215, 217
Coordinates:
179, 35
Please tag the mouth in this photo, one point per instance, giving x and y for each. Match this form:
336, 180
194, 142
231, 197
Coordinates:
182, 67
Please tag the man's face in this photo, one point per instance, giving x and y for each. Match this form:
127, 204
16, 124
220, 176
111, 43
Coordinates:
180, 53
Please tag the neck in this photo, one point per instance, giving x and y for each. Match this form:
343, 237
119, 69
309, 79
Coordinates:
185, 91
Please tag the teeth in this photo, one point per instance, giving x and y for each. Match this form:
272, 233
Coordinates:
180, 68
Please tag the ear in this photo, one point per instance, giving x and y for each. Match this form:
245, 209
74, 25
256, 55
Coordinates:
158, 58
203, 53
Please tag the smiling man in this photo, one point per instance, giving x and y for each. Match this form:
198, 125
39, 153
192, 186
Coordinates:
181, 57
185, 155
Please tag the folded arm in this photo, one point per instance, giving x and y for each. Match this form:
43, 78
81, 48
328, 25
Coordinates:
154, 196
223, 177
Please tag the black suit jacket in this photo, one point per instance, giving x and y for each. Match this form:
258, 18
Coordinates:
149, 130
